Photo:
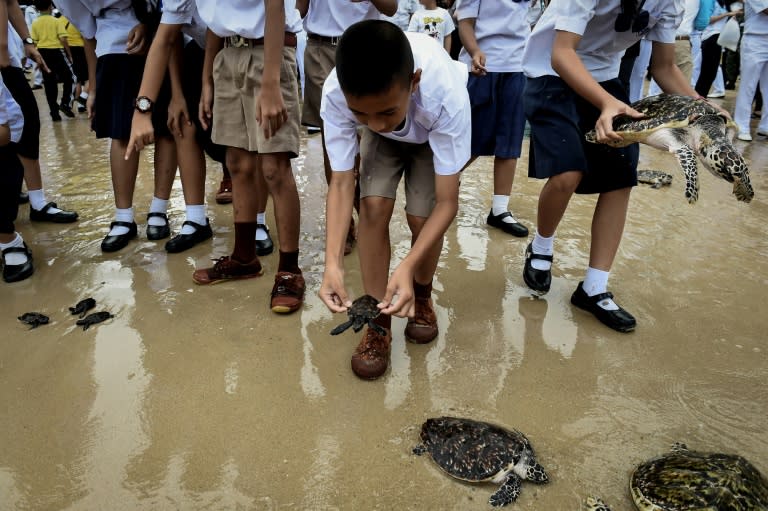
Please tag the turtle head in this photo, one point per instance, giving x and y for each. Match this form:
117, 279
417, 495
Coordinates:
536, 474
596, 504
591, 137
724, 161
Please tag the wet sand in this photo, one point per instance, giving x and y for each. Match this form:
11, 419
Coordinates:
201, 398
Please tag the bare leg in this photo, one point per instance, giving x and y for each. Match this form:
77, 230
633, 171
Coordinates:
243, 167
32, 175
191, 166
278, 175
607, 227
553, 201
426, 270
262, 190
374, 247
503, 175
165, 167
123, 173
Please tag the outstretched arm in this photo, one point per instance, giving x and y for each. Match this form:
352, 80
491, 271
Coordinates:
339, 203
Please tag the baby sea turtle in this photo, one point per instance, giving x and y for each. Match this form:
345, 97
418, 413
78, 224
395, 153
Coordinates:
684, 480
93, 318
34, 319
477, 451
655, 178
362, 311
83, 306
688, 128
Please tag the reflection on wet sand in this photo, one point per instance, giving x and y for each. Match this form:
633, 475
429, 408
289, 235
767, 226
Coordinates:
201, 398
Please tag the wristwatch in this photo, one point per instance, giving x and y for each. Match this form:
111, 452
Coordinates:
29, 40
144, 104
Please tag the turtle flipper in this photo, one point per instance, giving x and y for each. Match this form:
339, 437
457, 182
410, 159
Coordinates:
419, 450
342, 327
377, 328
508, 492
596, 504
690, 167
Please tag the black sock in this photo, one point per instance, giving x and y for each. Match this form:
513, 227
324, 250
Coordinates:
289, 261
245, 248
422, 290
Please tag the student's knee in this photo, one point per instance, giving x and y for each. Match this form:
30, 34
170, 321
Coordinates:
276, 170
239, 162
375, 210
565, 183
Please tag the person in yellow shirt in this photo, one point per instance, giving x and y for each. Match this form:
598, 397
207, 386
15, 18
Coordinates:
50, 36
77, 58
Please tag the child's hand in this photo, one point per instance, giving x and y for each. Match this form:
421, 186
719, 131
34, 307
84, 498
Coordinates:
90, 104
400, 285
604, 125
332, 291
271, 113
137, 40
142, 133
32, 53
178, 115
205, 110
478, 64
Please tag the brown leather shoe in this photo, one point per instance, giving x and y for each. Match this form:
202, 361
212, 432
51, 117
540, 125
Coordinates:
422, 328
371, 357
224, 195
351, 238
287, 293
227, 268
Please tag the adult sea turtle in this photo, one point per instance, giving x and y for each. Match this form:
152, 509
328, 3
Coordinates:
477, 451
362, 312
685, 480
690, 129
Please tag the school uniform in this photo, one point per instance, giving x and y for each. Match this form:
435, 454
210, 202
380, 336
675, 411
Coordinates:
401, 18
46, 32
436, 23
118, 74
237, 75
12, 171
435, 137
501, 30
710, 49
77, 48
324, 23
558, 116
754, 65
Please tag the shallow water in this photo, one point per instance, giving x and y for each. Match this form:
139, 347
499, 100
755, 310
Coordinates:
201, 398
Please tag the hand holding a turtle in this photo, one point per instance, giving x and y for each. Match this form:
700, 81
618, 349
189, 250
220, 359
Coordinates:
332, 291
604, 125
401, 285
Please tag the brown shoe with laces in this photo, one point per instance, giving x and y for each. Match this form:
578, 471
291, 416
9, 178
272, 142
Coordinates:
224, 195
371, 357
227, 268
287, 293
422, 328
349, 244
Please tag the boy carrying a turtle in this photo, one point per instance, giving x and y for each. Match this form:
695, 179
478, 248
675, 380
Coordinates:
411, 101
572, 64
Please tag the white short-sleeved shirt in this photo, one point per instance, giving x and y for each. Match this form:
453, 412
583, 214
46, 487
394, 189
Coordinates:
436, 23
691, 9
10, 113
601, 47
755, 21
30, 14
401, 18
716, 27
15, 47
245, 18
330, 18
501, 30
108, 21
184, 13
439, 112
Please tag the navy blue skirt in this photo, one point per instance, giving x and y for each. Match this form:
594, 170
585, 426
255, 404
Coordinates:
498, 122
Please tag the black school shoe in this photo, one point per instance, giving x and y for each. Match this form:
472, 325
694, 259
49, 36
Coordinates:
182, 242
114, 243
620, 320
538, 280
514, 228
62, 217
158, 232
264, 247
18, 272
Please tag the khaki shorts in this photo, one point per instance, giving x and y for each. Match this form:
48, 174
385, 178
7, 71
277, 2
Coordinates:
384, 161
319, 61
237, 82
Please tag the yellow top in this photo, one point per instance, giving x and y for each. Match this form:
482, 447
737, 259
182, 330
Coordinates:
46, 31
74, 38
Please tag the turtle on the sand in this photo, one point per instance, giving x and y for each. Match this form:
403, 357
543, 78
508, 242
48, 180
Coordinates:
83, 306
93, 318
362, 312
34, 319
684, 480
655, 178
688, 128
477, 451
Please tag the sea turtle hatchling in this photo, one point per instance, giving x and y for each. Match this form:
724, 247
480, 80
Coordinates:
685, 480
83, 306
34, 319
688, 128
362, 312
655, 178
477, 451
93, 318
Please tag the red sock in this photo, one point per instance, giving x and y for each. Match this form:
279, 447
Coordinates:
245, 246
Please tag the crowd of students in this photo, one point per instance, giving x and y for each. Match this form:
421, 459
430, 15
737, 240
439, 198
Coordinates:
221, 77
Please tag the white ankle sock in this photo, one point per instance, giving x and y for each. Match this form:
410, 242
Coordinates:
121, 215
543, 246
195, 213
14, 258
157, 206
596, 282
37, 201
261, 234
501, 205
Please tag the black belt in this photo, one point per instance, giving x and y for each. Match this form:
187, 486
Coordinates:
236, 41
682, 38
333, 41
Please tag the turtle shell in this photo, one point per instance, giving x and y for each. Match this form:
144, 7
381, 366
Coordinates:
472, 450
688, 480
663, 111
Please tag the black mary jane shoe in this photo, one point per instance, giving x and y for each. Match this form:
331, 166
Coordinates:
538, 280
514, 228
44, 215
23, 197
264, 247
620, 320
113, 243
18, 272
182, 242
158, 232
